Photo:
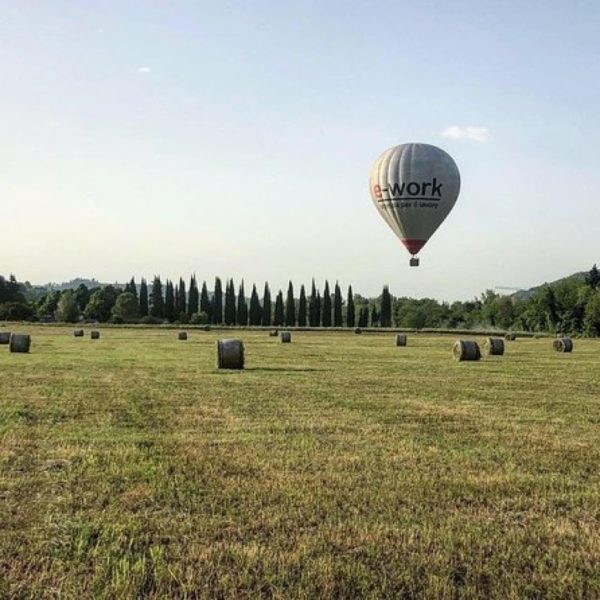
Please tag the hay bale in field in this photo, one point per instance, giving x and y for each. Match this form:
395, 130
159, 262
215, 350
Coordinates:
230, 354
564, 344
401, 339
510, 337
78, 333
95, 335
206, 328
493, 346
182, 335
20, 342
286, 337
358, 330
273, 333
466, 350
4, 337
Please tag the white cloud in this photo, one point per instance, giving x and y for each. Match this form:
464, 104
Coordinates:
144, 70
477, 134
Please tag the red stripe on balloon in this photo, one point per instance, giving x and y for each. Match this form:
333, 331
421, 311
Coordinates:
413, 246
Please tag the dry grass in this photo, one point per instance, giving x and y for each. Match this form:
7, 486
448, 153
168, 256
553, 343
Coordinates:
337, 466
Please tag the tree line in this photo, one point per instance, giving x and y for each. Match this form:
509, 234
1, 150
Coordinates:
569, 306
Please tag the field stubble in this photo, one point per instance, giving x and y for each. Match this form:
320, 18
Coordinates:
335, 466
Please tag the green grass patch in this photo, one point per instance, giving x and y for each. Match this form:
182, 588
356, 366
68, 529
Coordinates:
337, 466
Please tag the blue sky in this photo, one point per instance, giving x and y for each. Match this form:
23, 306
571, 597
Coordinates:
236, 138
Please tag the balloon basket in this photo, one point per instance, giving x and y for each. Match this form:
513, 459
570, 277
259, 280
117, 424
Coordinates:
414, 262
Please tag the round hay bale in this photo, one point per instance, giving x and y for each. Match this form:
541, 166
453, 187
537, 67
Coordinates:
182, 335
358, 330
510, 337
95, 335
273, 333
78, 333
466, 350
494, 346
564, 344
206, 328
20, 342
230, 354
401, 339
4, 337
286, 337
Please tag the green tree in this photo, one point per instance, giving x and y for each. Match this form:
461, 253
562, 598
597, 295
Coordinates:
313, 317
318, 307
255, 308
67, 309
193, 298
143, 298
385, 317
101, 303
278, 316
169, 301
337, 306
592, 314
48, 303
11, 290
592, 279
266, 312
82, 296
363, 316
206, 306
350, 310
302, 307
157, 304
374, 316
217, 303
126, 308
290, 307
242, 307
131, 288
181, 306
326, 310
229, 314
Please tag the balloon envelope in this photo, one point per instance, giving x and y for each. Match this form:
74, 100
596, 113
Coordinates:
414, 187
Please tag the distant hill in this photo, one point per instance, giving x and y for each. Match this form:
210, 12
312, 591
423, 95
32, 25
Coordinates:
524, 294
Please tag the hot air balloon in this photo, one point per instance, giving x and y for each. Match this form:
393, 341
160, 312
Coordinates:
414, 187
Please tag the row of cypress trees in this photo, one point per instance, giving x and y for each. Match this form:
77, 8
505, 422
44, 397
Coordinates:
224, 306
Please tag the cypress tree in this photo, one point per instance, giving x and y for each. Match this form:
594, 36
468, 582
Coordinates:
363, 316
193, 298
266, 311
175, 299
374, 316
302, 308
385, 316
350, 310
229, 315
169, 302
132, 288
217, 303
318, 305
278, 316
205, 304
290, 307
181, 300
326, 316
157, 307
242, 307
255, 308
337, 306
313, 320
143, 298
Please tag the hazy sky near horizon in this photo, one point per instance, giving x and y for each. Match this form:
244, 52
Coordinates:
235, 139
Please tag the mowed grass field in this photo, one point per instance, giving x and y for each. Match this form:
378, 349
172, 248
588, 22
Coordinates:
337, 466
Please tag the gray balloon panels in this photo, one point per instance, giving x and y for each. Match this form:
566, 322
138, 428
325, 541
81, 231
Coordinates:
414, 187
